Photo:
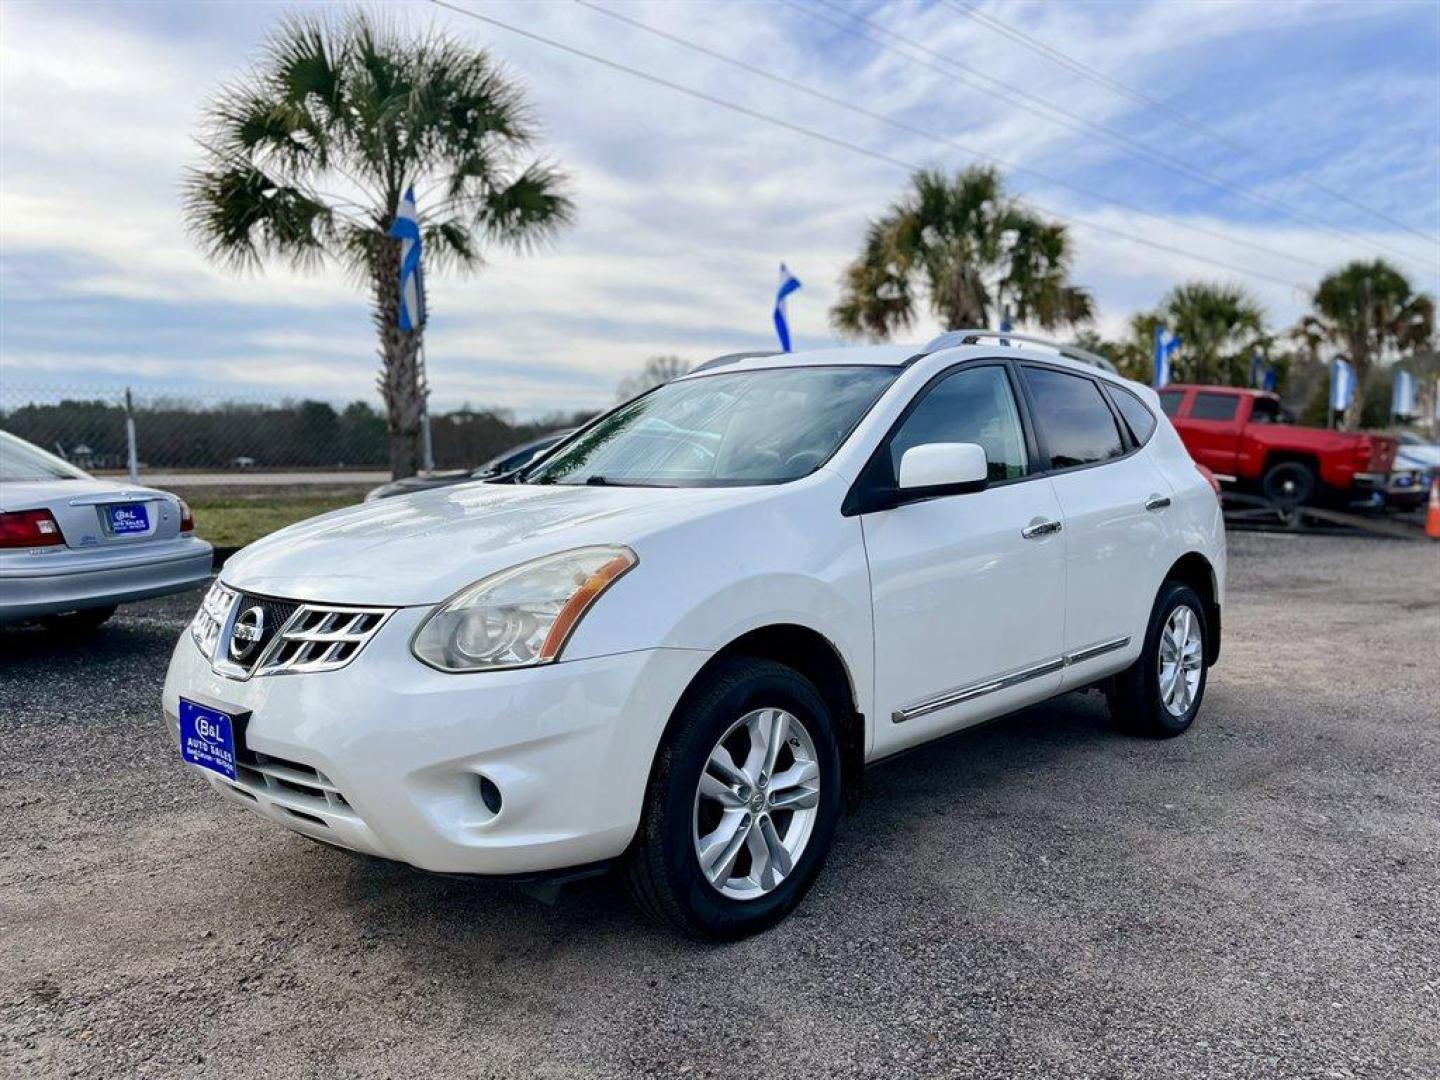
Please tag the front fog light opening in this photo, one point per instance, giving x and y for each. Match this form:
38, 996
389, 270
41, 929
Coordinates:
490, 795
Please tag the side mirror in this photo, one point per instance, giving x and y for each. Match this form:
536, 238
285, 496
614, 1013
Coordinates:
943, 469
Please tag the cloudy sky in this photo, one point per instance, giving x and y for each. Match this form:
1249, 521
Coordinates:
1321, 143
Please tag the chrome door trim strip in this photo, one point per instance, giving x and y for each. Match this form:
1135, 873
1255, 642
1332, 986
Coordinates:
1004, 682
1100, 648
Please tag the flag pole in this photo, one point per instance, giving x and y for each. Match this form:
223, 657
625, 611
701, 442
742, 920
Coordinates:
427, 450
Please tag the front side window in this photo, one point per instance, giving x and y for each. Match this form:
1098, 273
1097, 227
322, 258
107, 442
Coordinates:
744, 427
972, 405
1214, 406
1078, 426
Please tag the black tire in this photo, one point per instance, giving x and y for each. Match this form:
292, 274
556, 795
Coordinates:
662, 871
78, 623
1290, 483
1135, 696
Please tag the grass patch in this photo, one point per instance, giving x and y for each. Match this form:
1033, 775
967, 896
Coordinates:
230, 520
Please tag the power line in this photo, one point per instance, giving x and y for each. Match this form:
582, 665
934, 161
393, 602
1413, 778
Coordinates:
1066, 118
1099, 77
901, 125
844, 144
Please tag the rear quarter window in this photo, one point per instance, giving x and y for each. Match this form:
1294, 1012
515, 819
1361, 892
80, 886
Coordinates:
1137, 414
1214, 406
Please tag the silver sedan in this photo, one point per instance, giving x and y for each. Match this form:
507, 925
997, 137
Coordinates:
73, 547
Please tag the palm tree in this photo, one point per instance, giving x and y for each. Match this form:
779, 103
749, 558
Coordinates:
973, 253
1218, 326
307, 159
1365, 309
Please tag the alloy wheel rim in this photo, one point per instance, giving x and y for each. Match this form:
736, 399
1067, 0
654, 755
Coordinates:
1182, 656
756, 803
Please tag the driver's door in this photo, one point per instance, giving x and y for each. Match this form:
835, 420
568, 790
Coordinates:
968, 590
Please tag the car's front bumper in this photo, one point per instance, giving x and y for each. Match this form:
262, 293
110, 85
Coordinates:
51, 581
1407, 488
386, 755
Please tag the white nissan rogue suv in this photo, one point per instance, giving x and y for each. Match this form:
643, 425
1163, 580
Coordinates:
674, 641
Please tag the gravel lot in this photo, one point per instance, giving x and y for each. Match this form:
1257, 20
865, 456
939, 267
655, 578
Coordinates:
1039, 897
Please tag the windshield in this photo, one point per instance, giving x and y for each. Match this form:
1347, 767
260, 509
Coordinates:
21, 461
744, 427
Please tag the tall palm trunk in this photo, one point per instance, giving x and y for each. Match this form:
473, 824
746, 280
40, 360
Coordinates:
401, 382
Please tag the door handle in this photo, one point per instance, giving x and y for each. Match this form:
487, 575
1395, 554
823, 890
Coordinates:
1157, 502
1040, 527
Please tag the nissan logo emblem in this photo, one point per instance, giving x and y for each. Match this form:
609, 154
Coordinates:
249, 629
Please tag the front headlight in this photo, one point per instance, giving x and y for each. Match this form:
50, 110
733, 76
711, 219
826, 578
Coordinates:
519, 617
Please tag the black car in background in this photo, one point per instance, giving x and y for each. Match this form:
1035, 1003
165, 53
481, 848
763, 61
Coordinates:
509, 461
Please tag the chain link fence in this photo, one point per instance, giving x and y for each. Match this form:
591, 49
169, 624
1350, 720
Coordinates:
117, 429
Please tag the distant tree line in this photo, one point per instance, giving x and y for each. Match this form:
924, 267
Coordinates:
179, 434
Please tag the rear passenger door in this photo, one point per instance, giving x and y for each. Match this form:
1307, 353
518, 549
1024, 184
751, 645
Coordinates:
1114, 504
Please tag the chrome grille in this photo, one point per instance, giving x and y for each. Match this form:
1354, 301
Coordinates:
289, 636
210, 620
320, 638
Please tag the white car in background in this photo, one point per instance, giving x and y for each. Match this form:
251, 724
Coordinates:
674, 643
73, 547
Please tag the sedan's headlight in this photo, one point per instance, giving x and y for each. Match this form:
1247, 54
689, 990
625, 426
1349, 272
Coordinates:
522, 616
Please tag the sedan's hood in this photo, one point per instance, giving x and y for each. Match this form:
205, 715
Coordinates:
421, 548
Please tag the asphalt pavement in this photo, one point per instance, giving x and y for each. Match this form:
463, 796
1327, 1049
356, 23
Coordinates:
1040, 897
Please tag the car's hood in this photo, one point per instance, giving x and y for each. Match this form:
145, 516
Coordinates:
422, 548
33, 494
1418, 457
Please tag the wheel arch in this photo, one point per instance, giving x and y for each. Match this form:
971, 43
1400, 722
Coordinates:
1195, 570
820, 660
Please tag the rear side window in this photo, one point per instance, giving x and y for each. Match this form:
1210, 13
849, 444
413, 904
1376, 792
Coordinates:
1136, 413
1078, 426
1214, 406
1170, 401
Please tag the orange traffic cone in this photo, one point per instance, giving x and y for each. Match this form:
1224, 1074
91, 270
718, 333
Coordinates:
1432, 516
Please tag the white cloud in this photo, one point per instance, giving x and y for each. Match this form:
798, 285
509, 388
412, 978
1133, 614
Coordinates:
685, 209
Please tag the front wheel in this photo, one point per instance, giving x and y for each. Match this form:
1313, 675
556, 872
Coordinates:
742, 803
1159, 695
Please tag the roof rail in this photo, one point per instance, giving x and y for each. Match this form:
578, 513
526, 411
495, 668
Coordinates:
972, 337
732, 358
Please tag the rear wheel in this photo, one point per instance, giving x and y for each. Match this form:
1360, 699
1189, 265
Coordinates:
78, 622
1159, 695
742, 803
1290, 483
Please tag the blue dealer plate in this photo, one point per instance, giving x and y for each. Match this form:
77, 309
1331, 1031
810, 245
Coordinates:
207, 738
127, 518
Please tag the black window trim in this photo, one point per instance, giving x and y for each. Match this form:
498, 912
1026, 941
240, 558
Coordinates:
862, 491
860, 498
1127, 441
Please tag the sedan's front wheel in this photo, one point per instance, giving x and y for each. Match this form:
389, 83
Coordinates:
742, 802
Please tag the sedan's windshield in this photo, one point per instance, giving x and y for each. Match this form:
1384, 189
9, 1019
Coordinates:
744, 427
21, 461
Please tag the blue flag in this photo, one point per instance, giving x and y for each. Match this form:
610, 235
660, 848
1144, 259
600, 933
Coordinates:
412, 283
1165, 344
1342, 385
1402, 398
788, 284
